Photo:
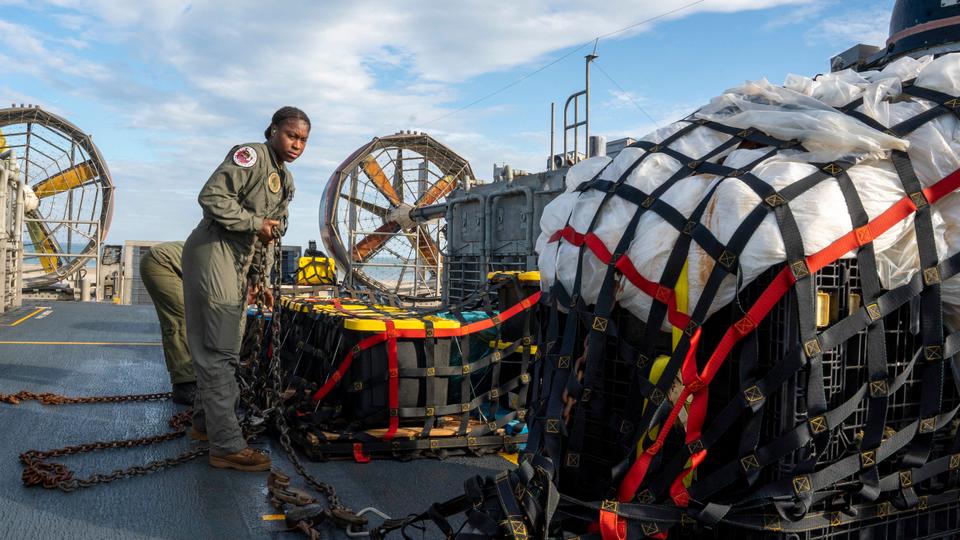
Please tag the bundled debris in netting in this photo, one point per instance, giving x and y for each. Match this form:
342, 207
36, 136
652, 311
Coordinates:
368, 380
746, 328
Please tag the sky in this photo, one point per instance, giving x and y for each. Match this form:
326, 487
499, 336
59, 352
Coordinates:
167, 87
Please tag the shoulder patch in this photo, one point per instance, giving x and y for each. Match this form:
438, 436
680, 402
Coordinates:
245, 156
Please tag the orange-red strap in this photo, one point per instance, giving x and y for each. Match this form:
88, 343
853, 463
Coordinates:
662, 294
611, 526
393, 381
358, 454
337, 375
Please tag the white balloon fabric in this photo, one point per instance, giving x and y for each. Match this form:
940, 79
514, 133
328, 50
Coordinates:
803, 109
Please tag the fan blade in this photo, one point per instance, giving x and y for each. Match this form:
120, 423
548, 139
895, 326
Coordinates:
373, 171
43, 242
428, 248
73, 177
369, 207
365, 248
441, 189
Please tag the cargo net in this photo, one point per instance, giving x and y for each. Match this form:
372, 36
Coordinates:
370, 380
747, 315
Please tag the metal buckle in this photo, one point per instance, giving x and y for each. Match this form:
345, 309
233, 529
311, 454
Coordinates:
812, 348
906, 478
774, 200
801, 484
749, 463
727, 259
799, 269
753, 394
832, 169
919, 199
600, 324
878, 388
933, 352
818, 424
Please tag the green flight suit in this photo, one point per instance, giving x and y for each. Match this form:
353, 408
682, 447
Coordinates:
160, 270
217, 257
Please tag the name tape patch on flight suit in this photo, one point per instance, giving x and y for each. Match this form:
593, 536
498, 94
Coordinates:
273, 182
245, 156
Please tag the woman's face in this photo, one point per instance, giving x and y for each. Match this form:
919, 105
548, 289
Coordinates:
290, 139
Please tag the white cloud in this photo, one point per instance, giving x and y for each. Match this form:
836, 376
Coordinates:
865, 26
26, 50
802, 14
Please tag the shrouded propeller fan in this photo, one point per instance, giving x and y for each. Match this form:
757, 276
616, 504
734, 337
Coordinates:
365, 213
68, 198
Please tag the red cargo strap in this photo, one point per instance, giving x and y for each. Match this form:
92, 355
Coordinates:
623, 263
345, 364
393, 372
358, 454
771, 295
611, 526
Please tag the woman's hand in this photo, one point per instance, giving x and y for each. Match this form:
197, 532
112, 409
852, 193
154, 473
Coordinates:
265, 234
253, 291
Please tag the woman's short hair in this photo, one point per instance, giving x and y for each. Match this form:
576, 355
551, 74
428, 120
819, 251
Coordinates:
282, 115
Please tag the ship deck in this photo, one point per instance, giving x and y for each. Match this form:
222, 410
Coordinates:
100, 349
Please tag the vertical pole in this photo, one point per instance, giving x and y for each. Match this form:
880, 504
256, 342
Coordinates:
351, 227
576, 129
553, 123
4, 188
96, 264
586, 107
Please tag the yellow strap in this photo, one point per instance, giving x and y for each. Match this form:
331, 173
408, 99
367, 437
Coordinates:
682, 303
531, 276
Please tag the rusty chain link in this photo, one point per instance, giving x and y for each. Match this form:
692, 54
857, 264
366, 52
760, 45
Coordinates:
49, 398
37, 470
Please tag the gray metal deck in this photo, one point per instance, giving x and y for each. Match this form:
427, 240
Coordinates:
64, 350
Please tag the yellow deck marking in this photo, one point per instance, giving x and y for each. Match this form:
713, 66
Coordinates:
273, 517
124, 343
512, 458
25, 317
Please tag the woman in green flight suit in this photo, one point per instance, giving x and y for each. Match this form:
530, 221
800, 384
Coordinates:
244, 200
